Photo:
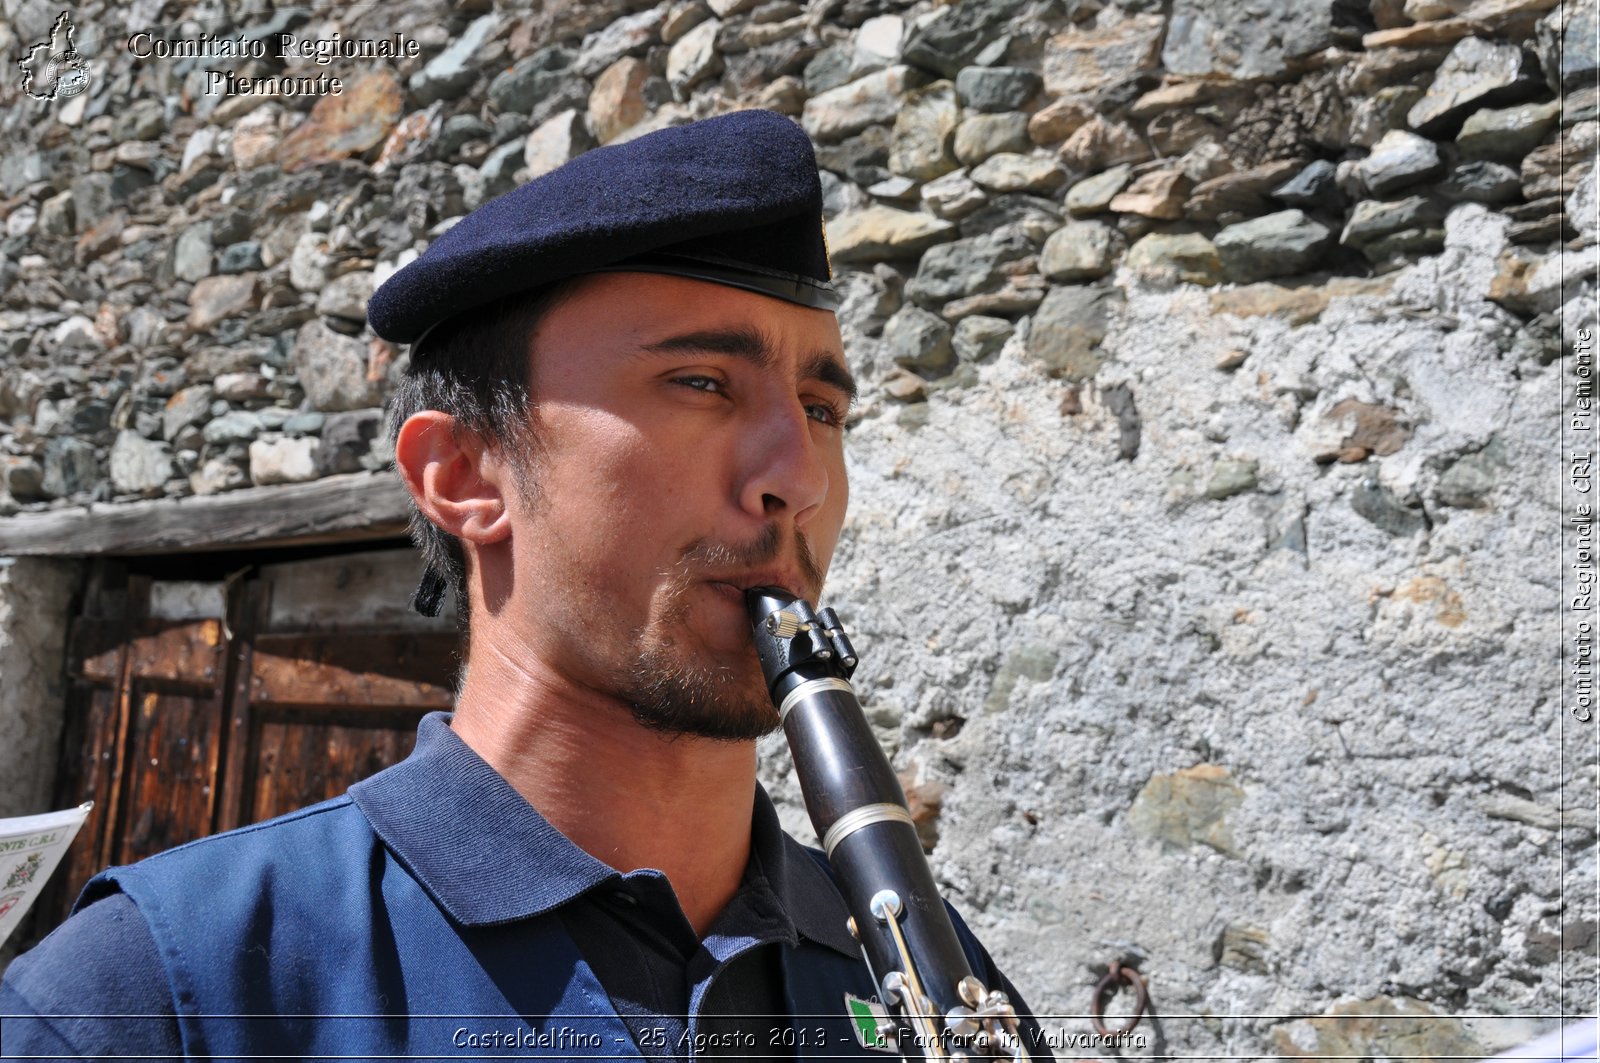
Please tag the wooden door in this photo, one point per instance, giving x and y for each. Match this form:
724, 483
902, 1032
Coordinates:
200, 705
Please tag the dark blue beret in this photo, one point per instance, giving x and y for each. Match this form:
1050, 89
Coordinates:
733, 199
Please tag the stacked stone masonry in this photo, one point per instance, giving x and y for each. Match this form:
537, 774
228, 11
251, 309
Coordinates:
1204, 538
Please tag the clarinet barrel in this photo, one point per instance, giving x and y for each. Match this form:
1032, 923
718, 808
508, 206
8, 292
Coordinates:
942, 1009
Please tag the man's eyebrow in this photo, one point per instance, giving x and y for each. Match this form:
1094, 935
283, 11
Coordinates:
826, 367
750, 345
744, 342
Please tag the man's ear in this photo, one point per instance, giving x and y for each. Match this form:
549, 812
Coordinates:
458, 481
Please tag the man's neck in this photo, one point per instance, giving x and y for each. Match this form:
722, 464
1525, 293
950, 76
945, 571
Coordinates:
628, 796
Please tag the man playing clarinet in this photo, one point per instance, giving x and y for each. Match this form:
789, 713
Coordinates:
624, 409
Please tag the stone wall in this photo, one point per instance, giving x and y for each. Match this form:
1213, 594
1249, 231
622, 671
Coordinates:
1205, 549
36, 601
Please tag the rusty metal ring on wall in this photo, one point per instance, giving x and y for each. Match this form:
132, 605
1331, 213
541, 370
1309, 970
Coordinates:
1118, 975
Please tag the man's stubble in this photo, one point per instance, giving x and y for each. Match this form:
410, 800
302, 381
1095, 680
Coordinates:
672, 693
665, 687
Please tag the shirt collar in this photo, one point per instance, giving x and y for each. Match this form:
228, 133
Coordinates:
474, 843
804, 889
487, 856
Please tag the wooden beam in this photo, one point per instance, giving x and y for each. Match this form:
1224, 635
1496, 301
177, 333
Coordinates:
346, 508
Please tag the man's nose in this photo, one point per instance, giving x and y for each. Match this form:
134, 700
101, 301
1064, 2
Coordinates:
787, 471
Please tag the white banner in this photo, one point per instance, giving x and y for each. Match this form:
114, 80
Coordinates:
30, 849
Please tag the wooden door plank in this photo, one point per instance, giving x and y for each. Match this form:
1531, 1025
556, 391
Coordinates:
386, 669
303, 757
87, 763
107, 841
95, 648
252, 599
186, 652
84, 775
170, 784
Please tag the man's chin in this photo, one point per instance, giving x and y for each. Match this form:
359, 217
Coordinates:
723, 701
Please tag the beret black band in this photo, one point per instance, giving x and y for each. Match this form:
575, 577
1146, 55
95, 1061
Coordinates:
792, 287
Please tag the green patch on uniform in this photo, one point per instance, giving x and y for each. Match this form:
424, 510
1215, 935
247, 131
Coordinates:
871, 1022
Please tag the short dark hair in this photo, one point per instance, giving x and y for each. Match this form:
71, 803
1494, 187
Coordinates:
478, 368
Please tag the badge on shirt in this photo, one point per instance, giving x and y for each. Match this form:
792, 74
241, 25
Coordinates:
871, 1022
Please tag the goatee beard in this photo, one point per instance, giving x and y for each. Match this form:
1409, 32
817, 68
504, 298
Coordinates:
674, 694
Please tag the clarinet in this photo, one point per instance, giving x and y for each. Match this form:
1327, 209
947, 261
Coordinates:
941, 1009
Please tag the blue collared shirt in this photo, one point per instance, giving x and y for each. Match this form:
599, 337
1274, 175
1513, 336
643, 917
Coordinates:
485, 858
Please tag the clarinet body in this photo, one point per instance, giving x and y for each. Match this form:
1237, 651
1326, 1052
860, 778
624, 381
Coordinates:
859, 811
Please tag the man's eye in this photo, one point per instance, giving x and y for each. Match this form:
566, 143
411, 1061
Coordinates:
826, 413
710, 385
